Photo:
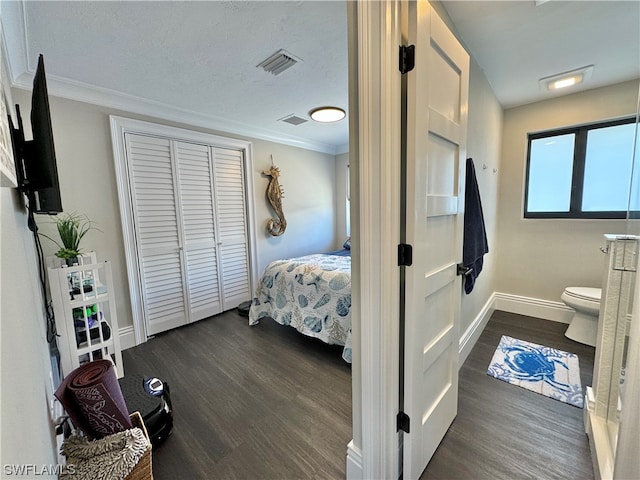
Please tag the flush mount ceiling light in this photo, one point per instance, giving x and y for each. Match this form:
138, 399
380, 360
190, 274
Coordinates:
566, 79
327, 114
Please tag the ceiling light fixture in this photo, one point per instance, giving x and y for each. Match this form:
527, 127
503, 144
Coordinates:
327, 114
566, 79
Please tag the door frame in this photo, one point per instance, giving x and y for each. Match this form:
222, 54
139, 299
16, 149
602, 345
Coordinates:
375, 163
122, 125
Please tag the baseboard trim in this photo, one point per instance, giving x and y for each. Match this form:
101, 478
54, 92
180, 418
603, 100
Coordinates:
533, 307
354, 462
127, 337
473, 332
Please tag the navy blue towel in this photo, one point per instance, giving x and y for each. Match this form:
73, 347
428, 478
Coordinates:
475, 236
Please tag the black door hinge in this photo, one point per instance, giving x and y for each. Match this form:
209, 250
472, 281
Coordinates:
407, 58
405, 255
403, 422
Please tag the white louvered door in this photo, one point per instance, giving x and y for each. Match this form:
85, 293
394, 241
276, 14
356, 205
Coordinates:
189, 211
232, 227
198, 229
153, 195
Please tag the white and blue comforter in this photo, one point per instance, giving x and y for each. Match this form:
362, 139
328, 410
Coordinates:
311, 294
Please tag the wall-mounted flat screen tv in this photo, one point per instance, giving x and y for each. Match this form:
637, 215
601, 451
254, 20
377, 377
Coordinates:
36, 166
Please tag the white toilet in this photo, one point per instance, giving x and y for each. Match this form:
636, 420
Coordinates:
586, 302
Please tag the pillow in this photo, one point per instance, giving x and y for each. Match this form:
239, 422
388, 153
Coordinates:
347, 244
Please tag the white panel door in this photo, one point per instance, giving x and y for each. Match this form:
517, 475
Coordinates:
158, 239
233, 244
437, 91
197, 214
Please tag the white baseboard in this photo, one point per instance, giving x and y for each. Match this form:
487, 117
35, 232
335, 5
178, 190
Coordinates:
127, 337
354, 462
533, 307
470, 337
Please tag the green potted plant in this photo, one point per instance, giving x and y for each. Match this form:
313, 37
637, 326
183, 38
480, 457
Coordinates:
71, 228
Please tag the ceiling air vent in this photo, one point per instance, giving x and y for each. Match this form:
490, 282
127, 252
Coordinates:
293, 119
279, 62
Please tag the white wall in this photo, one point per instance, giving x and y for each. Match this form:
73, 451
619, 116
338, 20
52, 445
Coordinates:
87, 180
27, 434
539, 257
484, 137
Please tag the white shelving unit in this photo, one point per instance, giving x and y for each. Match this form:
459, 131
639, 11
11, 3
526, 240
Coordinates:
85, 314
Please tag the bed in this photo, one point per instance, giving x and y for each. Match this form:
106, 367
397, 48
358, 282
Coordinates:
311, 294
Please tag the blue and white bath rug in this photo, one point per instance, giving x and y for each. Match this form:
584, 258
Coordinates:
544, 370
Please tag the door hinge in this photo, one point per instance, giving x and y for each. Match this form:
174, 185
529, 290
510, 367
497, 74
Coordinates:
405, 255
403, 422
407, 58
462, 270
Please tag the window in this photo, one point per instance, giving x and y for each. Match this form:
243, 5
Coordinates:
581, 172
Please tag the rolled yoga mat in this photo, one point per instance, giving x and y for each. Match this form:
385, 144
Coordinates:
92, 397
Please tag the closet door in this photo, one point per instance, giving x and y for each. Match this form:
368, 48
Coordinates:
197, 212
233, 245
158, 239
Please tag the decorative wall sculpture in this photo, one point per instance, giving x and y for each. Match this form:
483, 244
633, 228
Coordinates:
275, 227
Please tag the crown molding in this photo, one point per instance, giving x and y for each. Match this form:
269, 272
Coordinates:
340, 149
14, 39
82, 92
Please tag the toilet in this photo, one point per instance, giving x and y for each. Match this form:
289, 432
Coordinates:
584, 324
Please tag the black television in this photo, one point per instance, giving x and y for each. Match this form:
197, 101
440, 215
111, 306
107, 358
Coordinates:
36, 167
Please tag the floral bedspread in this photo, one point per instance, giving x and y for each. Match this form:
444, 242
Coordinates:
311, 294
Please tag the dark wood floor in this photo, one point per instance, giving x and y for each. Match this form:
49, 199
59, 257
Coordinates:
506, 432
261, 402
265, 402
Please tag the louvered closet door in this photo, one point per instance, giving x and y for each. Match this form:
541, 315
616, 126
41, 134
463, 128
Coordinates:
199, 235
232, 227
153, 195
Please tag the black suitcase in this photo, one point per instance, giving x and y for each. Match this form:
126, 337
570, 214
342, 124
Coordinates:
151, 397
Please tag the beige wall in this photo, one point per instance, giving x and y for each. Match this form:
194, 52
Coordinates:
342, 162
309, 183
539, 257
484, 134
25, 387
86, 172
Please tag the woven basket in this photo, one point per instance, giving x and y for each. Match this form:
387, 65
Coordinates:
142, 470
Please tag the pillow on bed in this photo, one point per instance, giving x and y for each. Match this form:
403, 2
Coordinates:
347, 244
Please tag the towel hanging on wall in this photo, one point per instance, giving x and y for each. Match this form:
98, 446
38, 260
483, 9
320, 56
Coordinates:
475, 243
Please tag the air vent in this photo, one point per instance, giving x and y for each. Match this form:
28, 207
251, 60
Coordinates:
279, 62
293, 119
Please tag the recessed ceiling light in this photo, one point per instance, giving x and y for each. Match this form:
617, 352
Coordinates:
566, 79
327, 114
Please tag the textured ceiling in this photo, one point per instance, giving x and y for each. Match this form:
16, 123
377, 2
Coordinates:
195, 62
201, 57
517, 43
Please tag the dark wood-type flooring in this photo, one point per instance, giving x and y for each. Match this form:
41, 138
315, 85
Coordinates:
506, 432
262, 402
266, 402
